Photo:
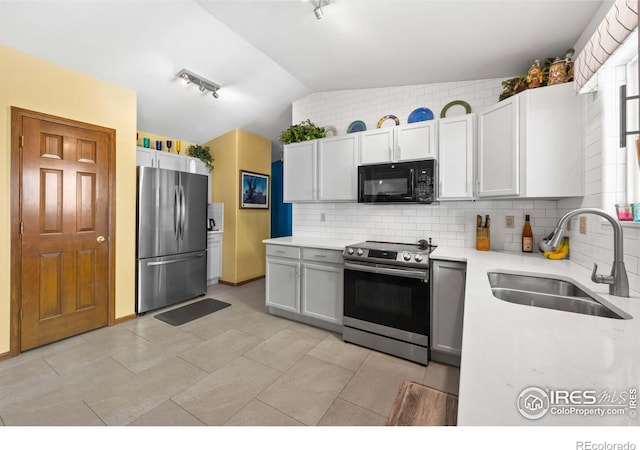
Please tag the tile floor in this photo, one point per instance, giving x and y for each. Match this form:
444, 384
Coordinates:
237, 366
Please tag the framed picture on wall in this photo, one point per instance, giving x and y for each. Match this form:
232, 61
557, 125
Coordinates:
254, 190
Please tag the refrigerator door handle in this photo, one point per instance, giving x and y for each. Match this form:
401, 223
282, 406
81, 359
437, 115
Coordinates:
174, 261
176, 213
183, 212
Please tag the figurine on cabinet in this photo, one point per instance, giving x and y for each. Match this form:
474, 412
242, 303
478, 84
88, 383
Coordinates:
534, 77
557, 72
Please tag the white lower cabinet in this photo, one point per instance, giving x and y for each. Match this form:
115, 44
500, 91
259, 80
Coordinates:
283, 284
319, 283
214, 258
447, 310
305, 284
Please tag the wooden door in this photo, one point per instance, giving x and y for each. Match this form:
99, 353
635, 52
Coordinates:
64, 220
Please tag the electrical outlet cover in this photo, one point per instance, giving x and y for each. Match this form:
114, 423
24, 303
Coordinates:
583, 225
510, 222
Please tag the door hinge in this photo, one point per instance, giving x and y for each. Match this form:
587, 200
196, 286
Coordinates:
21, 227
21, 141
21, 314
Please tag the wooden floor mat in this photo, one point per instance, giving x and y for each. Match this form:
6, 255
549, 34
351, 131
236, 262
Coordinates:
417, 404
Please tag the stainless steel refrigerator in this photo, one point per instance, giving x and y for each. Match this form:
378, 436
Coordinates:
172, 237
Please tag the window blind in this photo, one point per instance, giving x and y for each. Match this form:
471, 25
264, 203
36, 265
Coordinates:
621, 20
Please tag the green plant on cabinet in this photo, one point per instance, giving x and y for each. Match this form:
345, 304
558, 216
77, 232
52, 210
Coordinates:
202, 153
304, 131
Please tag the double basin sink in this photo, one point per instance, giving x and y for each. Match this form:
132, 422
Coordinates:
549, 292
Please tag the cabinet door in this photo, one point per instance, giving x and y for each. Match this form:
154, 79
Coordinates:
299, 171
322, 292
415, 141
376, 146
551, 142
338, 168
455, 157
170, 161
145, 157
498, 150
214, 258
283, 284
447, 310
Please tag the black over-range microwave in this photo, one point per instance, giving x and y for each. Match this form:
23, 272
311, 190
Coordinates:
405, 182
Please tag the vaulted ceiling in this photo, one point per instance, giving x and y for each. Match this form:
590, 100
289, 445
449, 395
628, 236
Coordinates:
266, 54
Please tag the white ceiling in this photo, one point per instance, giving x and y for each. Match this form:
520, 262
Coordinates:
267, 54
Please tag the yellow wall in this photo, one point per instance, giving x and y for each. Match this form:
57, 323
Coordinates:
253, 225
32, 83
244, 229
225, 190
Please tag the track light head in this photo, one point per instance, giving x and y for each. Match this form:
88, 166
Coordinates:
318, 12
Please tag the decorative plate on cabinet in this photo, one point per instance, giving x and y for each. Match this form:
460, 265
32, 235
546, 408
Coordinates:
388, 117
330, 131
355, 126
464, 104
420, 115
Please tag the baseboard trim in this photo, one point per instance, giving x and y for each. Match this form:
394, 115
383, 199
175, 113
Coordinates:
123, 319
7, 355
229, 283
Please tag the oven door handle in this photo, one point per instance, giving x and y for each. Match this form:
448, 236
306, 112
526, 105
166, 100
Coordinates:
420, 274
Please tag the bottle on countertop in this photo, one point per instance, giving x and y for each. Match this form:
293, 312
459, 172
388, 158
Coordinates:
527, 236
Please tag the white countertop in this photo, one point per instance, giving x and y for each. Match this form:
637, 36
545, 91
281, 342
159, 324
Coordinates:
214, 232
295, 241
508, 347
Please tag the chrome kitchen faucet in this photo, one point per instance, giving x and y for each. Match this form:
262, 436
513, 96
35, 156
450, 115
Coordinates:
617, 280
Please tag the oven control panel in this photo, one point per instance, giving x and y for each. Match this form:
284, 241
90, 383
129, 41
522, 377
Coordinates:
409, 258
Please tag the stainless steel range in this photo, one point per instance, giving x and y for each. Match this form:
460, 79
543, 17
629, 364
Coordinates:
386, 297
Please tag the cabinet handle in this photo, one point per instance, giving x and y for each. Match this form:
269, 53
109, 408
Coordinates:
281, 252
390, 154
320, 256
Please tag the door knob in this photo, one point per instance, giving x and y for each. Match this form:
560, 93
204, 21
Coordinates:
100, 239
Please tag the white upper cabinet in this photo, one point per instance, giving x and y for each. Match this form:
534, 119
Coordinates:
321, 170
456, 138
498, 153
400, 143
377, 146
531, 145
299, 171
338, 168
416, 141
145, 157
171, 161
162, 160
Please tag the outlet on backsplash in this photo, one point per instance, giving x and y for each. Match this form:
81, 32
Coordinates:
322, 217
583, 225
510, 222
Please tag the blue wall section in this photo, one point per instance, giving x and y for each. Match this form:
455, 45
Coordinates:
280, 212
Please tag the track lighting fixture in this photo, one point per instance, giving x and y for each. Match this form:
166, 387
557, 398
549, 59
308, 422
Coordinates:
203, 84
318, 4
